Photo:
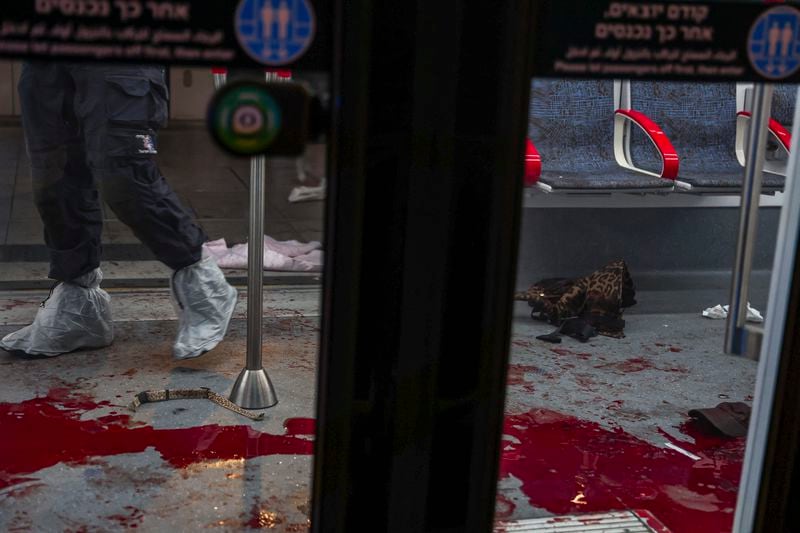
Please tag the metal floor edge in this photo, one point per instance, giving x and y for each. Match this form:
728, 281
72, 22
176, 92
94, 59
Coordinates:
612, 522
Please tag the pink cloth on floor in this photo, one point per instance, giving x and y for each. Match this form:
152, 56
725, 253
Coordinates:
290, 248
292, 256
310, 262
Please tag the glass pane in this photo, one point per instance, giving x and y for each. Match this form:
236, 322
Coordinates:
210, 184
74, 455
611, 355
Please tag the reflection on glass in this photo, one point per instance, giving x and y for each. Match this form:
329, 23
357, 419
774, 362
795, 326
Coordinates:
620, 398
176, 457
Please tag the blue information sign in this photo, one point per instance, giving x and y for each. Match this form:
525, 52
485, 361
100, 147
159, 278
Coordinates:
774, 43
275, 32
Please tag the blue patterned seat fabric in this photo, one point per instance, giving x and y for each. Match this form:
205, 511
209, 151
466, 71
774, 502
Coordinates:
700, 120
572, 126
783, 102
784, 98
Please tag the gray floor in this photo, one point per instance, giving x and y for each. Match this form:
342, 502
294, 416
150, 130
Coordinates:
232, 476
689, 369
679, 366
628, 393
211, 184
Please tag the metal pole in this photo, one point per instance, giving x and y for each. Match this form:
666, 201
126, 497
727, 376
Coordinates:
739, 338
253, 389
255, 262
219, 80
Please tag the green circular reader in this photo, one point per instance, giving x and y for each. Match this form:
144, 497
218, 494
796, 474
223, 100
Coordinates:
243, 118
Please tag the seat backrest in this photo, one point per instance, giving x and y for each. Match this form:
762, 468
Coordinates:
699, 119
784, 98
571, 122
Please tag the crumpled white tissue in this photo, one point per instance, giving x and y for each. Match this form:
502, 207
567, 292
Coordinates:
719, 312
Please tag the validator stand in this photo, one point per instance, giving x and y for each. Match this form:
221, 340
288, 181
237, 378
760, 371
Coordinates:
253, 389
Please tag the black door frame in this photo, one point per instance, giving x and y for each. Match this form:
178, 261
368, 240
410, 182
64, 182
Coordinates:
426, 182
777, 508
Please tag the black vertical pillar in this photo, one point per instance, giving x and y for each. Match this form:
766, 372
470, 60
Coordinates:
426, 178
777, 508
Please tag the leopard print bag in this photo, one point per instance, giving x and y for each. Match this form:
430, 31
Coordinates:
598, 299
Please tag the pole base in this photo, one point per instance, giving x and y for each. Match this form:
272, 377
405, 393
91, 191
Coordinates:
253, 390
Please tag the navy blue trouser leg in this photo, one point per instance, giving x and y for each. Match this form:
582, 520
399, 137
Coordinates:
113, 113
63, 187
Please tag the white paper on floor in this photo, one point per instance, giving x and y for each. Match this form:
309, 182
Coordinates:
719, 312
292, 256
307, 194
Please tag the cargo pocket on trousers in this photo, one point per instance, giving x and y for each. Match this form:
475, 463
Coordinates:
160, 110
136, 101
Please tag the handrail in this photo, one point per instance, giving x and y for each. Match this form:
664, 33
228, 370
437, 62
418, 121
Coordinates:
670, 163
533, 164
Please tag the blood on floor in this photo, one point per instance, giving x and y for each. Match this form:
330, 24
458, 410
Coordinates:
49, 430
565, 465
570, 466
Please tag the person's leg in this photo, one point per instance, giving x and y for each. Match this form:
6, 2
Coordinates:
77, 314
121, 108
64, 191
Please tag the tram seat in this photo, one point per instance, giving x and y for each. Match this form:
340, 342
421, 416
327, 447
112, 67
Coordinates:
784, 98
572, 126
701, 120
784, 101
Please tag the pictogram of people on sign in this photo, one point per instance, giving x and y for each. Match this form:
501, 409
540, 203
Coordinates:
275, 32
774, 44
783, 38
